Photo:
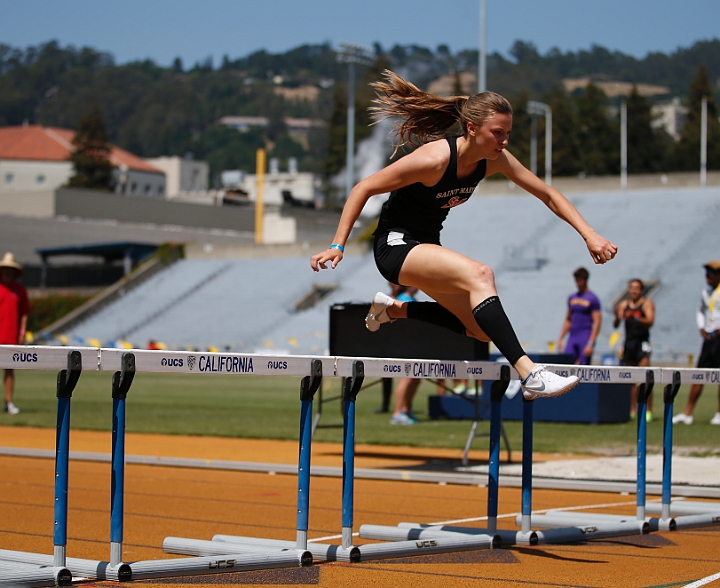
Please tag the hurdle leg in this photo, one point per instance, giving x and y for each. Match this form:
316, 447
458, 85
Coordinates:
120, 385
643, 392
66, 381
497, 392
669, 395
308, 387
350, 391
527, 465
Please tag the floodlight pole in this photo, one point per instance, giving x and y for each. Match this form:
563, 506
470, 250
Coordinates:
352, 54
533, 145
539, 109
623, 145
703, 142
482, 71
350, 144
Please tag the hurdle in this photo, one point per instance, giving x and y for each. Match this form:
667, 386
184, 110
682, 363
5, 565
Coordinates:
684, 514
229, 553
239, 558
696, 514
354, 372
34, 569
563, 525
557, 526
59, 569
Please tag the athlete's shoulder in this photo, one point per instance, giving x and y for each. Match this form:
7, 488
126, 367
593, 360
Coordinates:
434, 155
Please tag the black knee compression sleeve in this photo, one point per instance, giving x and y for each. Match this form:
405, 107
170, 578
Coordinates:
491, 318
436, 314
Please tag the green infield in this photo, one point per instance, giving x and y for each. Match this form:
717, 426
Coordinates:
268, 407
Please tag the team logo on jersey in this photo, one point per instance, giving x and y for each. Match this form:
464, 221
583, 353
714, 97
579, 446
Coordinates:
454, 201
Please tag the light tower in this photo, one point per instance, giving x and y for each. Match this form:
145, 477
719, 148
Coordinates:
536, 109
352, 54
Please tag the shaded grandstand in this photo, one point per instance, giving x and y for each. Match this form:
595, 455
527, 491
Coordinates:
250, 304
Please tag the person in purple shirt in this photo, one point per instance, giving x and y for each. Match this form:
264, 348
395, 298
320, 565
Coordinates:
582, 321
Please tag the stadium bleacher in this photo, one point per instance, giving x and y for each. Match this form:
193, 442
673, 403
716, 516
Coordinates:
249, 304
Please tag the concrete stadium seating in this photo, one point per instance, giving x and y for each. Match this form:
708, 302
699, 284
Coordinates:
248, 304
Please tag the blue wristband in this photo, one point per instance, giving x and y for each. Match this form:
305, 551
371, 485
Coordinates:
337, 246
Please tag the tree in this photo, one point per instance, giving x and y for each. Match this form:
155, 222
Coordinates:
519, 144
599, 137
645, 147
687, 151
91, 158
565, 144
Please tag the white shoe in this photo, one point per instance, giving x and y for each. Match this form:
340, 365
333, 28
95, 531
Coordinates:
542, 383
378, 312
716, 419
10, 408
683, 418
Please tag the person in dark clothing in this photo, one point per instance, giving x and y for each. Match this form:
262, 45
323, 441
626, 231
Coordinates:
441, 174
638, 313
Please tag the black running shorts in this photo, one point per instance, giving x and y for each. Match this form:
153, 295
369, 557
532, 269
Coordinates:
710, 353
391, 249
635, 350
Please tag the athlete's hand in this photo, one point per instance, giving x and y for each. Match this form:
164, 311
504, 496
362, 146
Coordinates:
601, 250
318, 261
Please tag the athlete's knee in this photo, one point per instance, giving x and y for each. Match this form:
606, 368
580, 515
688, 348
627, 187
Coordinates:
482, 274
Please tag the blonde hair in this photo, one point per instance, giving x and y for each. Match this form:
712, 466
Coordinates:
426, 117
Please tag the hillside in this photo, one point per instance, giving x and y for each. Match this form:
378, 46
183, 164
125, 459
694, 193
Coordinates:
153, 110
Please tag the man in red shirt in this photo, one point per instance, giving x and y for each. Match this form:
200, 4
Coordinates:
14, 310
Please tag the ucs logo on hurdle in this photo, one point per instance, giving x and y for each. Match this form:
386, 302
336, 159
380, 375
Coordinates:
25, 357
172, 361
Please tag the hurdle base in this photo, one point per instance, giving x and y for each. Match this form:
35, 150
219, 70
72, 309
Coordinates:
698, 520
319, 551
215, 564
407, 541
202, 548
565, 529
686, 507
83, 568
29, 575
507, 537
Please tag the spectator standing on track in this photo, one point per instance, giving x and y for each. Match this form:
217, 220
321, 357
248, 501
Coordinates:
441, 174
708, 321
582, 323
638, 313
14, 311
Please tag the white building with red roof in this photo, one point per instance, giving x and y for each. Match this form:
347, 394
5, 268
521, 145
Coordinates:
36, 158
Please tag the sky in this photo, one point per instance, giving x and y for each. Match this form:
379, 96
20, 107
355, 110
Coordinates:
162, 29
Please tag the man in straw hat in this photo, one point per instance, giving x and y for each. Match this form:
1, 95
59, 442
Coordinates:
708, 321
14, 310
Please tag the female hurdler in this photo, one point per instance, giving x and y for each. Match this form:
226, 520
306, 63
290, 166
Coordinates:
441, 174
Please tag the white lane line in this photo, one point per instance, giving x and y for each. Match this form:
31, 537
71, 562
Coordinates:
703, 581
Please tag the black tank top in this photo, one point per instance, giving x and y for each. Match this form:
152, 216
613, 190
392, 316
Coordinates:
633, 329
420, 211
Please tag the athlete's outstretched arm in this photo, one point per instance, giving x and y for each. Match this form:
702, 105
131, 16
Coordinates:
601, 249
422, 165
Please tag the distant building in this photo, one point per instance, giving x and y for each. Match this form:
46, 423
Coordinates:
670, 116
613, 88
298, 128
291, 188
36, 158
185, 177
